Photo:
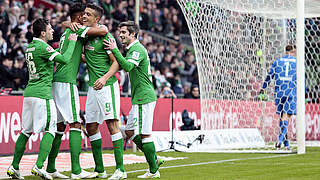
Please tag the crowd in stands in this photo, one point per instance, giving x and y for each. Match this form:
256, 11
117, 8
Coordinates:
173, 66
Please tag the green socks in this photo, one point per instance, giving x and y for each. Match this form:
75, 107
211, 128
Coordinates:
51, 168
44, 149
75, 150
96, 146
149, 151
117, 142
19, 150
138, 141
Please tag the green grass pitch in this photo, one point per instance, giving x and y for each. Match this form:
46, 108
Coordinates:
224, 166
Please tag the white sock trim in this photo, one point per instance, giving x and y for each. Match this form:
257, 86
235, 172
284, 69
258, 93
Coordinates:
26, 134
147, 140
52, 133
59, 132
75, 129
116, 136
132, 137
95, 137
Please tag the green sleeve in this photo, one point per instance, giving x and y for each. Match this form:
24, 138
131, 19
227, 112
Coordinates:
67, 55
127, 66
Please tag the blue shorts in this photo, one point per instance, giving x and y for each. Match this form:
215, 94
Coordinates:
286, 105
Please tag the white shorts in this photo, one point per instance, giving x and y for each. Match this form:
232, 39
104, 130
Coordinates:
39, 115
103, 104
140, 118
66, 97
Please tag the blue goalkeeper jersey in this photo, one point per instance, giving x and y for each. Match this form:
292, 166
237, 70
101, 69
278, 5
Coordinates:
284, 72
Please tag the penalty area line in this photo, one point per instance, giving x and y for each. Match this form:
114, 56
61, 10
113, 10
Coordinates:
214, 162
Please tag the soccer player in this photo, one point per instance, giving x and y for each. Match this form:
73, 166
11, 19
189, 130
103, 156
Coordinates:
137, 63
38, 111
66, 96
103, 99
283, 71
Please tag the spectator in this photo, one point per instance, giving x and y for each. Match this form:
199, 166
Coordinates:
194, 93
4, 20
189, 68
6, 74
20, 73
167, 92
3, 46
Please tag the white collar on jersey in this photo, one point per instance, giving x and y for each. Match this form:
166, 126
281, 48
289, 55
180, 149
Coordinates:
131, 44
38, 39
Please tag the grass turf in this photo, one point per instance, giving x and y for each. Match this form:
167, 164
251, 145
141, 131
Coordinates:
231, 166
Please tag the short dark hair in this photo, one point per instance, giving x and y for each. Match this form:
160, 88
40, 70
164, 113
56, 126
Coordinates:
76, 8
290, 47
131, 26
39, 25
97, 9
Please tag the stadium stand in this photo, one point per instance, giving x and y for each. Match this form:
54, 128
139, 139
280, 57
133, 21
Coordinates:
162, 24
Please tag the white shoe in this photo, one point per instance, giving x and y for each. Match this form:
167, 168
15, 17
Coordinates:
149, 175
13, 173
100, 175
118, 174
83, 175
58, 175
40, 172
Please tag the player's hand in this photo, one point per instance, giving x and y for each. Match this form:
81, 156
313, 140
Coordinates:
110, 44
74, 26
73, 37
99, 84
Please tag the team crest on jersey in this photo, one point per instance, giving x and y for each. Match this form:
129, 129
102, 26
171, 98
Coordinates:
135, 55
50, 49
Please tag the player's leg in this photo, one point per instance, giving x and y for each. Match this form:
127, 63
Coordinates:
144, 118
67, 101
61, 96
280, 110
45, 116
20, 146
290, 109
109, 101
117, 141
284, 129
51, 168
93, 119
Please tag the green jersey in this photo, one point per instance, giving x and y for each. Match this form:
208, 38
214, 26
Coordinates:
97, 59
68, 73
39, 56
137, 63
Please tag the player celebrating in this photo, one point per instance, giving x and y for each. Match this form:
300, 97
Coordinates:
66, 96
137, 63
283, 70
38, 111
103, 99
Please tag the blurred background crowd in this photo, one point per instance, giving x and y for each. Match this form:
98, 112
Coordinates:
164, 33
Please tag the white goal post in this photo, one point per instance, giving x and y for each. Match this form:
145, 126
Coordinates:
236, 42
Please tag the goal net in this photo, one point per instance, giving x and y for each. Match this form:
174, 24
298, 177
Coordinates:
236, 44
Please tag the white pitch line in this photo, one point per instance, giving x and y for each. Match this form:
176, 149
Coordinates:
214, 162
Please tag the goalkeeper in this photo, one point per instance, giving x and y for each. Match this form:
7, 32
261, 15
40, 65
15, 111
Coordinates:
283, 71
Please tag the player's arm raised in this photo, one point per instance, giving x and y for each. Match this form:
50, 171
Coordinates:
66, 56
112, 45
100, 31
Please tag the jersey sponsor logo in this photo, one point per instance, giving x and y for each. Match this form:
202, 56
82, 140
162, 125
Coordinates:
31, 49
135, 55
50, 49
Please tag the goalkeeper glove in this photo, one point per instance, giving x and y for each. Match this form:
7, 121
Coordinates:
262, 96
